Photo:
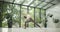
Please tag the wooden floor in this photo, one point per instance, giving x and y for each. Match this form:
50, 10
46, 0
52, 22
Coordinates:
30, 30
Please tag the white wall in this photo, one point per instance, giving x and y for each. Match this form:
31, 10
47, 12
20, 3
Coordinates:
56, 14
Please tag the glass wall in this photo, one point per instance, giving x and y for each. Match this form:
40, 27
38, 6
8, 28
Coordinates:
16, 13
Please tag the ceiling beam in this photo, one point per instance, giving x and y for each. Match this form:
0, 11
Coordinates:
31, 2
49, 7
48, 3
23, 1
13, 1
38, 4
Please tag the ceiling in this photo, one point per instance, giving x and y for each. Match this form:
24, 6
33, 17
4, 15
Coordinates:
45, 4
